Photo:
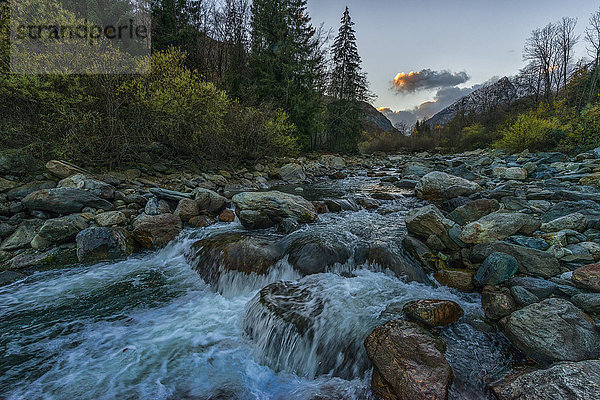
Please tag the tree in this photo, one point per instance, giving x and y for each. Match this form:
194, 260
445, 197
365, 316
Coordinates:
286, 63
348, 87
541, 49
592, 37
567, 39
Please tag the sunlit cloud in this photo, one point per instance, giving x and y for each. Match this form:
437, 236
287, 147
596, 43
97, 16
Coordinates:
427, 79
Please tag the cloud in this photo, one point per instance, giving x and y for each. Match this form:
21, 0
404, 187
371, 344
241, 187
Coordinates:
443, 98
427, 79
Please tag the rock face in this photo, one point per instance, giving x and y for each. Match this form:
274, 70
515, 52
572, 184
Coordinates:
497, 268
563, 381
64, 201
433, 312
439, 186
552, 331
531, 261
155, 231
493, 227
292, 173
264, 210
587, 277
233, 252
409, 362
102, 244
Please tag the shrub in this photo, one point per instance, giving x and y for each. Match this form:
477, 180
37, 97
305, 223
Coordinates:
530, 131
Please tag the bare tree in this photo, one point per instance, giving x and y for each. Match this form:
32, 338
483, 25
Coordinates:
592, 37
541, 49
567, 39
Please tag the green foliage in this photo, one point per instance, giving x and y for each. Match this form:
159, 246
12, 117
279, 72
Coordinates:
533, 132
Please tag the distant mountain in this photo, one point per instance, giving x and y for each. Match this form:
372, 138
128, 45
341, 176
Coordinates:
481, 100
376, 122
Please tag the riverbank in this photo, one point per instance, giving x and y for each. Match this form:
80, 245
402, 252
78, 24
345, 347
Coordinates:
507, 244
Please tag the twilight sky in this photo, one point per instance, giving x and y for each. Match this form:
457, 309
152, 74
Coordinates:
482, 38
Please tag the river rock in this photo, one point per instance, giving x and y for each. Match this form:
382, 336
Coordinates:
410, 361
94, 186
587, 277
64, 201
22, 236
229, 216
55, 257
458, 279
515, 173
292, 173
267, 209
563, 381
312, 254
98, 244
385, 257
433, 313
552, 331
20, 192
155, 231
531, 261
423, 254
429, 220
111, 218
213, 256
59, 230
497, 302
577, 222
493, 227
187, 209
589, 208
496, 268
209, 201
589, 302
156, 206
8, 277
439, 186
63, 169
170, 195
522, 296
473, 211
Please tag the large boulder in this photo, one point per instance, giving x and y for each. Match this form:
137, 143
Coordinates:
576, 221
64, 201
495, 226
236, 252
589, 208
563, 381
397, 262
257, 210
587, 277
497, 302
311, 254
429, 220
531, 261
474, 210
552, 331
59, 230
408, 361
439, 186
187, 209
209, 201
98, 244
94, 186
155, 231
292, 173
433, 312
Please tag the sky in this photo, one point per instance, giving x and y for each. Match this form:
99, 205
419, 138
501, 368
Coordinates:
458, 43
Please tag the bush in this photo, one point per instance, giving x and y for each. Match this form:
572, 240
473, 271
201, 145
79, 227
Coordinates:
530, 131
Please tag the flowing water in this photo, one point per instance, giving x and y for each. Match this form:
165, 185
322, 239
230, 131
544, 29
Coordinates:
150, 328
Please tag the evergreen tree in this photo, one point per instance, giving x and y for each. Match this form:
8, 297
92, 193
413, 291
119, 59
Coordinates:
348, 88
286, 63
